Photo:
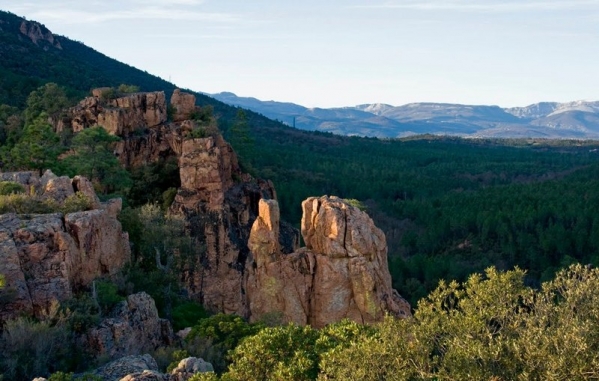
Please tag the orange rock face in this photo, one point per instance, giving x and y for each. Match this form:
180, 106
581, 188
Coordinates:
45, 257
184, 104
342, 272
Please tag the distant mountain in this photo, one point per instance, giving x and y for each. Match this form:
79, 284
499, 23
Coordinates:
546, 119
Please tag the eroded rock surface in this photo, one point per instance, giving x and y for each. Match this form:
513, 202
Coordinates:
184, 105
37, 32
45, 257
119, 116
133, 328
144, 368
341, 273
117, 369
219, 203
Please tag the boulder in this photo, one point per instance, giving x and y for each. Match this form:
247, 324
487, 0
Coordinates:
146, 375
83, 185
122, 367
133, 328
188, 367
144, 368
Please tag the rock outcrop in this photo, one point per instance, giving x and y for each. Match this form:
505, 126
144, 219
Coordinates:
184, 105
134, 327
46, 257
37, 33
144, 368
219, 203
117, 369
119, 116
188, 367
341, 273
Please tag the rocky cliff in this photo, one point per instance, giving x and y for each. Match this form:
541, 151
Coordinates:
219, 201
246, 260
341, 273
37, 33
46, 257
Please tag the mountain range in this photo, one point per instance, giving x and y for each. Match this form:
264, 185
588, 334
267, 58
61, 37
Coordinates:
577, 120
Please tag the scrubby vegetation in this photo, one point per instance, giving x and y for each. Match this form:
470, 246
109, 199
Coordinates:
491, 327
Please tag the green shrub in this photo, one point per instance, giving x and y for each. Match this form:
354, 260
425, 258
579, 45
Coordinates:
10, 187
108, 94
187, 314
355, 203
61, 376
108, 295
127, 89
31, 349
24, 204
83, 312
168, 196
214, 337
176, 357
75, 203
206, 376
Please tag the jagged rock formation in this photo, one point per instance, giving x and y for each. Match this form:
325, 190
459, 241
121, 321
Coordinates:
219, 202
119, 116
184, 104
341, 273
219, 211
133, 328
37, 32
46, 257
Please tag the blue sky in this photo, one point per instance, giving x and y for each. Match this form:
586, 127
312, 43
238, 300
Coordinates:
347, 52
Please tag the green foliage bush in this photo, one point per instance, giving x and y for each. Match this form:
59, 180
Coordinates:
108, 295
61, 376
176, 357
25, 204
356, 203
30, 349
215, 336
127, 89
83, 312
21, 203
10, 187
187, 314
75, 203
489, 328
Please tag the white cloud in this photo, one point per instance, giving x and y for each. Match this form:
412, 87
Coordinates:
72, 12
486, 6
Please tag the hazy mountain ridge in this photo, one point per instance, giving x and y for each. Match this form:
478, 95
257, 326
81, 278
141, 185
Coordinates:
577, 119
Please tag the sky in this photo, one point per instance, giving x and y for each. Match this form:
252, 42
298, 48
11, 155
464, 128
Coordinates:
332, 53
